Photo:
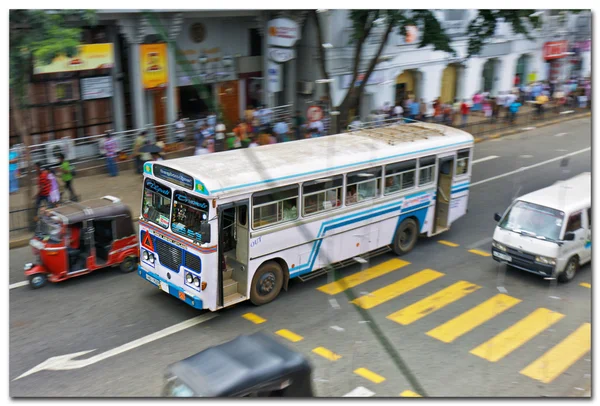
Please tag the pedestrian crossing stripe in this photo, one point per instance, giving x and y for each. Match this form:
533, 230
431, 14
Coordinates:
479, 252
516, 335
353, 280
448, 243
473, 318
254, 318
289, 335
432, 303
370, 375
327, 354
410, 394
396, 289
562, 356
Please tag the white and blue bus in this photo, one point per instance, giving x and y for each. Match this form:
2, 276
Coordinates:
222, 228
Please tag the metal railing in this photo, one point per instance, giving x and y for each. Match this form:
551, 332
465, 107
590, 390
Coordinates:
19, 220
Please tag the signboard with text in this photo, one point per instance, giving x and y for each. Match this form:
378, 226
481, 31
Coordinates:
89, 56
555, 49
274, 77
96, 88
153, 61
283, 32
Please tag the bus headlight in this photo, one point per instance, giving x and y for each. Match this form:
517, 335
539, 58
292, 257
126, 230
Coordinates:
189, 278
146, 256
152, 258
499, 246
196, 282
545, 260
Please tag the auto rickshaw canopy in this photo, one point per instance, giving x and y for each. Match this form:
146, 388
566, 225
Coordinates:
245, 366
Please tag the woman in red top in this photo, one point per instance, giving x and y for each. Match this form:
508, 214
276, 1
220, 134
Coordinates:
44, 186
464, 110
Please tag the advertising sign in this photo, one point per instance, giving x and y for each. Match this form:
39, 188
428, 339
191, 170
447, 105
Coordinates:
89, 56
96, 88
153, 60
375, 78
274, 77
174, 176
555, 49
281, 55
283, 32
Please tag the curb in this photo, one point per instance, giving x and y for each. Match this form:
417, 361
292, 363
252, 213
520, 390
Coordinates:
541, 124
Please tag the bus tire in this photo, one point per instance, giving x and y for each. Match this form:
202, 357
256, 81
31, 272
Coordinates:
570, 270
266, 283
406, 237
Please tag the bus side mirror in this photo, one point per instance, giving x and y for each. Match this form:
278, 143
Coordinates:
205, 233
569, 236
497, 217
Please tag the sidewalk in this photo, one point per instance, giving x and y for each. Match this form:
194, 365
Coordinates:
127, 186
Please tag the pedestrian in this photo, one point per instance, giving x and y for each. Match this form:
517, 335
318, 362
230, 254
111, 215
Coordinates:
477, 99
13, 168
455, 110
202, 149
180, 129
253, 143
281, 130
540, 102
219, 137
44, 186
241, 131
138, 143
464, 111
211, 119
423, 110
54, 196
487, 109
398, 111
513, 110
495, 109
67, 173
110, 146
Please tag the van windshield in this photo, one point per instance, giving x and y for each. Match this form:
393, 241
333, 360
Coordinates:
535, 220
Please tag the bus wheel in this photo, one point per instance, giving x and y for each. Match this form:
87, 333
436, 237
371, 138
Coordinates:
570, 270
266, 283
128, 265
406, 237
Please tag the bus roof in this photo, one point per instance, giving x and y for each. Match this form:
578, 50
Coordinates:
567, 196
250, 169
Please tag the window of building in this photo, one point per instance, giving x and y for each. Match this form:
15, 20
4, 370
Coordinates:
426, 170
400, 176
322, 195
363, 185
275, 206
462, 162
255, 42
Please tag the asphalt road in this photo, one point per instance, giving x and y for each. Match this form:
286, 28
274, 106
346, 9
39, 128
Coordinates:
106, 310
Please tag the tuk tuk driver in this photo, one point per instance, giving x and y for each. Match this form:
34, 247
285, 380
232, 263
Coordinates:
73, 244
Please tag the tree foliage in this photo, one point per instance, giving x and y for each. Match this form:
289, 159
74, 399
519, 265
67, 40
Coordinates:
42, 35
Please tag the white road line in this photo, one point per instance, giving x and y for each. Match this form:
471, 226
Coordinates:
528, 128
337, 328
18, 285
560, 134
359, 392
567, 112
525, 156
526, 168
487, 158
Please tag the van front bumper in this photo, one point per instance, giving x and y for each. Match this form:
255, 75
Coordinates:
522, 262
173, 290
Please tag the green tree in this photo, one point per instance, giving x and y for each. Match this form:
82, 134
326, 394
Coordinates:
39, 35
480, 29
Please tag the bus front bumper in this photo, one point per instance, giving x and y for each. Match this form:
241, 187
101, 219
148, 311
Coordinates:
169, 288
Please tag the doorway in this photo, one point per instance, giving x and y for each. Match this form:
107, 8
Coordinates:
444, 190
233, 251
159, 98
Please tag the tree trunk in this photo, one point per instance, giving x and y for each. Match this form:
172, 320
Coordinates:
23, 128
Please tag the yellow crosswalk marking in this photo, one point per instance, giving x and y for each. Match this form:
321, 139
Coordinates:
353, 280
479, 252
288, 335
472, 318
396, 289
370, 375
448, 243
327, 354
432, 303
517, 335
256, 319
410, 394
560, 357
585, 285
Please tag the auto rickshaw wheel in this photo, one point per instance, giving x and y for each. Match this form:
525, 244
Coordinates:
128, 264
266, 283
37, 280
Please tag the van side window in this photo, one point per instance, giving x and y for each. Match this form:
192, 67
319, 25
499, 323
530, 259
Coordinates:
590, 218
574, 223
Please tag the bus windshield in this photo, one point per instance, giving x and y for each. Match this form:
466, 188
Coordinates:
189, 212
528, 218
157, 203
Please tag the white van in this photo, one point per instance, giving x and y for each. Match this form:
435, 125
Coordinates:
548, 232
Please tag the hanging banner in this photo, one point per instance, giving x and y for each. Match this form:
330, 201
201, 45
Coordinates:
274, 77
555, 49
89, 56
153, 60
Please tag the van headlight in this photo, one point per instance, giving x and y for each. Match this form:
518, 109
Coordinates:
545, 260
499, 246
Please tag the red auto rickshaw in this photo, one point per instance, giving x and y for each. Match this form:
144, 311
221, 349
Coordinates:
79, 238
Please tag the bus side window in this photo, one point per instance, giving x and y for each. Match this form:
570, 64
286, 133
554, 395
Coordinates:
462, 162
589, 213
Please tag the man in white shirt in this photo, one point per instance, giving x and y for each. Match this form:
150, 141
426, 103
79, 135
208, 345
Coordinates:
398, 111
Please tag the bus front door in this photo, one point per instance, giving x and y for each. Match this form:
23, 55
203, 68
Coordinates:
233, 251
444, 190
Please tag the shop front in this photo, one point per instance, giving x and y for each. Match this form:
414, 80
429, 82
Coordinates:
554, 53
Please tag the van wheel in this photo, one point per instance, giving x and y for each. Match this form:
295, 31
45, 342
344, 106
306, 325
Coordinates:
128, 265
570, 270
37, 280
266, 283
406, 237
